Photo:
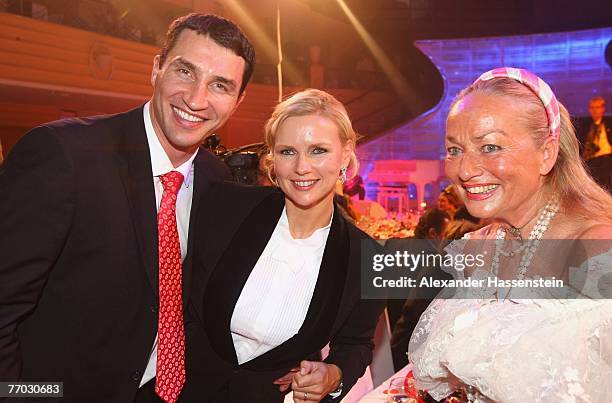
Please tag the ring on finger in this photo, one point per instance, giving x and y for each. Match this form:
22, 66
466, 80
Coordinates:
305, 395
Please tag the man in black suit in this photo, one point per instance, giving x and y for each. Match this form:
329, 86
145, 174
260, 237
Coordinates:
595, 133
79, 264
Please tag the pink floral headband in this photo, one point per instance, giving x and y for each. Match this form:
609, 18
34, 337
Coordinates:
538, 87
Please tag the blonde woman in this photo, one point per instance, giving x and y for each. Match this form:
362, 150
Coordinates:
513, 156
280, 271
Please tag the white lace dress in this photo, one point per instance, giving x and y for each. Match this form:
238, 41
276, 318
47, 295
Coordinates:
523, 350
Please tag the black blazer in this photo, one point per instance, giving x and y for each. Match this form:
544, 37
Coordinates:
78, 255
583, 126
232, 232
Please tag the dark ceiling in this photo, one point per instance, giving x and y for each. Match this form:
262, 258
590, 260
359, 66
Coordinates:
429, 19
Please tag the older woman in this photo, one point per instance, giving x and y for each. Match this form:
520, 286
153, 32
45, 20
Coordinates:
280, 272
514, 158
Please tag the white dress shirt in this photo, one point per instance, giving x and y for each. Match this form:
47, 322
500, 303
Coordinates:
275, 298
160, 165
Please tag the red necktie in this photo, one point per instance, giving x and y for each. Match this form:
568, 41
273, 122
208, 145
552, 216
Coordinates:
171, 346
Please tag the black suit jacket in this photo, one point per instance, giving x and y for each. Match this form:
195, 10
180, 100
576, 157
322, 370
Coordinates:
243, 219
583, 126
78, 255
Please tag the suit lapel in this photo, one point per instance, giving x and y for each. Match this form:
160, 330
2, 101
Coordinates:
332, 300
350, 293
323, 310
232, 271
136, 174
200, 184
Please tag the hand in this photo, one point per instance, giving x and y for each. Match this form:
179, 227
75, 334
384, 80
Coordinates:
285, 380
314, 381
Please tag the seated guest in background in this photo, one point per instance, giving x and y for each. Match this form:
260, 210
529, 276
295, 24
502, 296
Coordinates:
456, 229
449, 201
354, 186
88, 285
432, 225
514, 158
280, 276
343, 202
404, 314
595, 133
464, 214
462, 223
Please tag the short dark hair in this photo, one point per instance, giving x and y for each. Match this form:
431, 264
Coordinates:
223, 31
431, 218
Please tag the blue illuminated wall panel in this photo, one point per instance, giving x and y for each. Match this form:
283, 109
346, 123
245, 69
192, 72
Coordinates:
573, 63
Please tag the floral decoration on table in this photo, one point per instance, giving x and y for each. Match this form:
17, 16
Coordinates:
410, 394
385, 228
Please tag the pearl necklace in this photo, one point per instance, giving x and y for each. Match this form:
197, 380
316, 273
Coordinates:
546, 215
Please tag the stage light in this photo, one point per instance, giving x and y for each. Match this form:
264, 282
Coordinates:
400, 85
269, 47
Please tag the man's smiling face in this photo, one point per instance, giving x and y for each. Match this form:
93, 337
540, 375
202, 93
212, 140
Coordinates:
195, 91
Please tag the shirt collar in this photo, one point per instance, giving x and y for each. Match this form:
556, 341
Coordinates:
160, 163
287, 248
316, 239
